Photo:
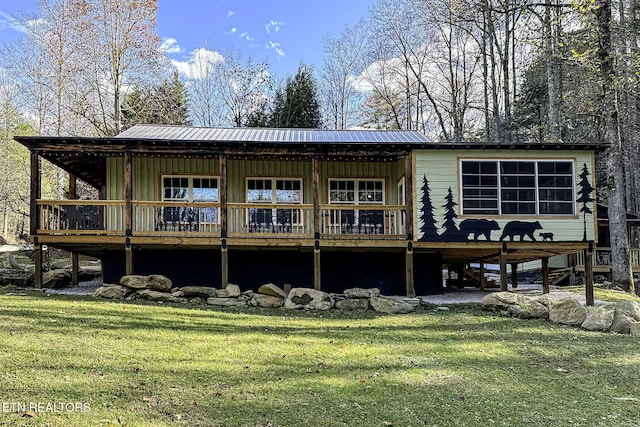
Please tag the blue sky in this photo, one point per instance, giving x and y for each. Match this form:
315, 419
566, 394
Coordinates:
283, 32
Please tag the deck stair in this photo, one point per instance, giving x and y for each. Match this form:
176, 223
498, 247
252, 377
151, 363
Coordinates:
556, 277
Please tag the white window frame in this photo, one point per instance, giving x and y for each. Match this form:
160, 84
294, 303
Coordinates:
356, 190
204, 213
297, 216
537, 189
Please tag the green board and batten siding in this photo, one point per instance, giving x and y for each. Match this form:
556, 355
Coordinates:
148, 171
441, 168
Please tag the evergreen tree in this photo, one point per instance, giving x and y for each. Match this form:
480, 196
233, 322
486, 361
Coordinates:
297, 106
429, 228
451, 232
584, 191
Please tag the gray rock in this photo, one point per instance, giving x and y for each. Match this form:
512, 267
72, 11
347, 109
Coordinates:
198, 291
308, 299
152, 295
413, 301
233, 291
512, 304
155, 282
134, 281
261, 300
89, 272
227, 302
567, 312
634, 329
599, 318
626, 313
353, 304
56, 279
273, 290
112, 292
498, 301
361, 293
390, 306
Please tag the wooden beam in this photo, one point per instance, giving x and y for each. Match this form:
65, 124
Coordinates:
35, 193
503, 267
588, 274
223, 195
316, 196
128, 261
408, 194
411, 290
545, 275
128, 192
317, 277
483, 281
224, 265
75, 267
73, 181
514, 275
37, 280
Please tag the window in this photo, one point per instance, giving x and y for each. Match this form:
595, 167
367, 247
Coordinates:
512, 187
274, 191
357, 192
190, 189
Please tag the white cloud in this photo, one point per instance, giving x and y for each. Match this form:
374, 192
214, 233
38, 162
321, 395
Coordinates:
200, 64
230, 14
246, 36
8, 21
232, 31
276, 47
170, 45
273, 26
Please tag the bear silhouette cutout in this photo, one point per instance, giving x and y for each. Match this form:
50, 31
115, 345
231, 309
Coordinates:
547, 237
520, 228
478, 227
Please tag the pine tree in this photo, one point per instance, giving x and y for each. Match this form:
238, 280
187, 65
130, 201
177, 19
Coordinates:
584, 191
297, 105
429, 228
451, 232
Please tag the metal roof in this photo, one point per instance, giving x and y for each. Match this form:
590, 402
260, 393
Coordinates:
189, 133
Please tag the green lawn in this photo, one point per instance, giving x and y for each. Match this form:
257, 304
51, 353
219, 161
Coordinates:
144, 365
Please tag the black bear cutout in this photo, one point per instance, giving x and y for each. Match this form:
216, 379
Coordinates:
520, 228
478, 227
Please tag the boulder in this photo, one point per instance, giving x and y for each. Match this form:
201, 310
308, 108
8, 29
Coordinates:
599, 318
567, 312
152, 295
353, 304
112, 291
308, 299
56, 279
512, 304
390, 306
273, 290
154, 282
198, 291
261, 300
233, 291
227, 302
361, 293
89, 272
626, 313
634, 329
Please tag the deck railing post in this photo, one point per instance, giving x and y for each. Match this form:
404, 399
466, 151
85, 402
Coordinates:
35, 194
588, 274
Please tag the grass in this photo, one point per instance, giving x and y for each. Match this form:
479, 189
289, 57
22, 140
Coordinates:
147, 365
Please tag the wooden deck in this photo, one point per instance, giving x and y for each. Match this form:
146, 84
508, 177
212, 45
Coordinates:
602, 260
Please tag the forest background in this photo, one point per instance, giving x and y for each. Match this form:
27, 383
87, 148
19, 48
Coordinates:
534, 71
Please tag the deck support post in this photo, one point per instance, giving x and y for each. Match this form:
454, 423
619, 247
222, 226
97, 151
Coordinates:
74, 255
503, 267
37, 252
411, 290
224, 251
128, 257
514, 275
315, 173
35, 194
128, 192
317, 278
588, 274
224, 263
482, 279
545, 275
408, 194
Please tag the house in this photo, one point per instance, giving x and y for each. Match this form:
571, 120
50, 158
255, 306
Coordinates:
316, 208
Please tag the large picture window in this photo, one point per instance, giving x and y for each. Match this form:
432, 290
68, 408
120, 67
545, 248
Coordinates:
511, 187
274, 191
357, 192
190, 189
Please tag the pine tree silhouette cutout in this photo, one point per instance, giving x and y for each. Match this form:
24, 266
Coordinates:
429, 228
451, 232
584, 191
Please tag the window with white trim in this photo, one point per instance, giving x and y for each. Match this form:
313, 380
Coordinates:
513, 187
190, 188
357, 192
274, 191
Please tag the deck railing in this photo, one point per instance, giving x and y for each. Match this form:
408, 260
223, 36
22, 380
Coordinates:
602, 259
151, 218
81, 217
